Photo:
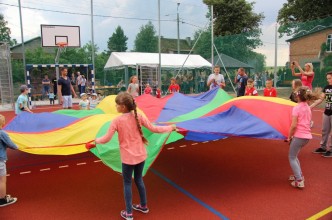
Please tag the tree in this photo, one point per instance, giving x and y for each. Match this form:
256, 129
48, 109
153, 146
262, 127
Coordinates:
146, 39
234, 17
302, 15
5, 32
237, 31
117, 42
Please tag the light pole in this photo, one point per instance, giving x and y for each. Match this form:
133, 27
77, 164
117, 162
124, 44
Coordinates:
276, 56
178, 21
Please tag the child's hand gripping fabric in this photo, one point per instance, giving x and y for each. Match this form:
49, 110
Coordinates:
90, 145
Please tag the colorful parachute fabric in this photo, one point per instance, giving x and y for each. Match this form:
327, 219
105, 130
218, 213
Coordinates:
210, 115
214, 115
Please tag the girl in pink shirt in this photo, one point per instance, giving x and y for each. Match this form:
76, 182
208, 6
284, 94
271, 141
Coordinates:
132, 148
299, 133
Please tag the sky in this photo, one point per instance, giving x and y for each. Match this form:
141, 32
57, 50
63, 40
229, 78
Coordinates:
131, 15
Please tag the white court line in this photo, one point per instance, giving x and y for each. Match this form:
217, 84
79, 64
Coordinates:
194, 143
183, 146
216, 140
45, 169
26, 172
79, 164
170, 148
64, 166
97, 161
205, 142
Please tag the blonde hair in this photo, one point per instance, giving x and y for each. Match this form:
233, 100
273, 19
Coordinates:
131, 78
2, 120
310, 66
124, 98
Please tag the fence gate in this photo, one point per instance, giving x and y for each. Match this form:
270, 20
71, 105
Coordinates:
147, 73
6, 78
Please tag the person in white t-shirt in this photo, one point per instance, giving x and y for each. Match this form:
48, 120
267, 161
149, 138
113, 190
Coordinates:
216, 79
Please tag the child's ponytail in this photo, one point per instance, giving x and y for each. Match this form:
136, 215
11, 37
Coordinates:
145, 141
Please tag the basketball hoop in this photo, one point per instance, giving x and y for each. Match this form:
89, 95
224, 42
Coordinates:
62, 46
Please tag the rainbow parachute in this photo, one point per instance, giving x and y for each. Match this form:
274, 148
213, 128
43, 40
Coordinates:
208, 116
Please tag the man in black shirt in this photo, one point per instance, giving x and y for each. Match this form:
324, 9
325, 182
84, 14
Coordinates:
65, 89
241, 81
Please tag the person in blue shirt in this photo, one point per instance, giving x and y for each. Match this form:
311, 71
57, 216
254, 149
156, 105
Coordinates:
5, 142
22, 101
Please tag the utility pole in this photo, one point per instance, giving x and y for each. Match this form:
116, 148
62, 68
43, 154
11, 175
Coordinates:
159, 47
22, 39
178, 20
275, 56
212, 40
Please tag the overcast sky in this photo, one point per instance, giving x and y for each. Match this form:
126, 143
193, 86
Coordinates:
131, 15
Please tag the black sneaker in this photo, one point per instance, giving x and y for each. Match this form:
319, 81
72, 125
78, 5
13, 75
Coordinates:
319, 151
327, 154
141, 209
7, 200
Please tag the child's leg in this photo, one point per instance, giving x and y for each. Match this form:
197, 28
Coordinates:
295, 147
326, 130
3, 185
127, 172
138, 170
3, 179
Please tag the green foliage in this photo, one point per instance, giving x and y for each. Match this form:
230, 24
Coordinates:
146, 40
237, 46
234, 17
117, 42
17, 71
303, 15
237, 30
5, 32
327, 61
70, 56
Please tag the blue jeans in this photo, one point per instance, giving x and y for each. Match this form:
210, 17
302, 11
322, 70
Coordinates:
45, 91
127, 173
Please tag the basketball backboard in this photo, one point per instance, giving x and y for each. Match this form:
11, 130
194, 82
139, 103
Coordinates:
51, 35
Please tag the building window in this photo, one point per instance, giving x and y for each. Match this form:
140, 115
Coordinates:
329, 43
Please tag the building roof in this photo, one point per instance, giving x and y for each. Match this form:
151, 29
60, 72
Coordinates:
25, 42
168, 60
168, 44
304, 33
229, 62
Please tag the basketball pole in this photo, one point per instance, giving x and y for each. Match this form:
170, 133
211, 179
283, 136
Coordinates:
57, 72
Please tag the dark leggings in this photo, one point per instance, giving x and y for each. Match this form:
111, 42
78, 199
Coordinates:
127, 173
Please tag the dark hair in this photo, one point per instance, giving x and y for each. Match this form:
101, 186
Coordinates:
124, 98
62, 68
305, 94
329, 73
216, 66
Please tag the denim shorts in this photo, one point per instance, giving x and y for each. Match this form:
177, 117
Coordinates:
3, 170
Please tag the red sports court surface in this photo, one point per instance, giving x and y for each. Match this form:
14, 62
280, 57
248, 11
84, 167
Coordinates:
235, 178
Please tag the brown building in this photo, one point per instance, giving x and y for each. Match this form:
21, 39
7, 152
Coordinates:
16, 51
306, 46
170, 45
